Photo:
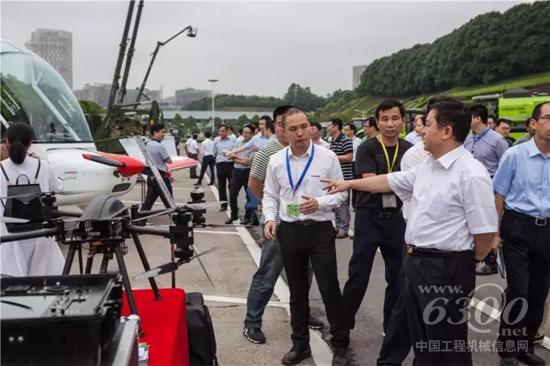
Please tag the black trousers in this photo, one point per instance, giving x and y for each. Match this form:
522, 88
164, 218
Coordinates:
224, 171
438, 292
239, 179
371, 232
154, 192
526, 249
193, 170
397, 342
208, 161
301, 244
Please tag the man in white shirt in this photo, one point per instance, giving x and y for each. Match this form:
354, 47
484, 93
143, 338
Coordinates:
306, 232
453, 221
192, 150
315, 129
415, 136
208, 159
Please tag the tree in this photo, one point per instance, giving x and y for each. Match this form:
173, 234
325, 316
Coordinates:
303, 98
91, 107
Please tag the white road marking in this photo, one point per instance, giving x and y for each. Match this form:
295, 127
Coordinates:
320, 351
494, 314
241, 301
216, 232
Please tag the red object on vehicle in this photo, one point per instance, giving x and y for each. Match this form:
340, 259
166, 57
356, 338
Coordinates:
164, 324
181, 162
125, 165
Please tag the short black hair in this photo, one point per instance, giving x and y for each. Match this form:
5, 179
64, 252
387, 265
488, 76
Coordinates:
291, 111
437, 99
389, 104
281, 110
493, 117
195, 135
225, 127
503, 120
248, 126
156, 127
537, 110
351, 125
317, 125
453, 113
479, 110
371, 121
337, 122
207, 134
269, 124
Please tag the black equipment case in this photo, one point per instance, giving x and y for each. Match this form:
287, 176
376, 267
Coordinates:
59, 320
200, 332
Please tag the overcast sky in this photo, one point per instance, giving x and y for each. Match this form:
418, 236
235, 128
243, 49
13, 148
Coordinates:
251, 47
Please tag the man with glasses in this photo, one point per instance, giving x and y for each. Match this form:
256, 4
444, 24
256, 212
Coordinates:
522, 196
370, 128
379, 222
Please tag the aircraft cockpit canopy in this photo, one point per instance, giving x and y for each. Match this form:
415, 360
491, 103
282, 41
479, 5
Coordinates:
34, 93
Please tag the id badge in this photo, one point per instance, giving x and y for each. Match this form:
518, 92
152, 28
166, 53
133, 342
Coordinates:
389, 200
293, 209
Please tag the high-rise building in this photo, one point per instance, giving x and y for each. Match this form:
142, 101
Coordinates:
56, 47
357, 72
185, 96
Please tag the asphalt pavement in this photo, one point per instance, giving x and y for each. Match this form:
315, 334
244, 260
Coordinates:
231, 267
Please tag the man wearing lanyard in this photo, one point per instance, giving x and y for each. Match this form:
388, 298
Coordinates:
487, 146
378, 219
453, 221
224, 166
522, 195
306, 232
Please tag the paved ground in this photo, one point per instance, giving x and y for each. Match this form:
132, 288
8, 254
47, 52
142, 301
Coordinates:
231, 267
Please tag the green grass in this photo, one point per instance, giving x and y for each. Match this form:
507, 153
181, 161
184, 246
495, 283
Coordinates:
368, 103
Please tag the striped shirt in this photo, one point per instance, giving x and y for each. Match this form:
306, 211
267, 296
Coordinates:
259, 167
342, 146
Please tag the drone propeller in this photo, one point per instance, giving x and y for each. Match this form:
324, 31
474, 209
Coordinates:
13, 220
171, 267
36, 194
160, 213
204, 205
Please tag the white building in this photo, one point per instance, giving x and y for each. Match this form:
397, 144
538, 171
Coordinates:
56, 47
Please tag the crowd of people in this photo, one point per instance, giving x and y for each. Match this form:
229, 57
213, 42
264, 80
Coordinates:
437, 205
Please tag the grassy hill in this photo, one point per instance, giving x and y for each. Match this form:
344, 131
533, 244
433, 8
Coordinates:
349, 110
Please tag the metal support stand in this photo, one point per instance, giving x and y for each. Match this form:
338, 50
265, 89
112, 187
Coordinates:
69, 259
126, 282
145, 263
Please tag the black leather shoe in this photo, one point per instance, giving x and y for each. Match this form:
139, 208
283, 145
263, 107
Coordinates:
508, 361
339, 357
295, 356
530, 359
230, 220
223, 208
245, 221
315, 323
483, 269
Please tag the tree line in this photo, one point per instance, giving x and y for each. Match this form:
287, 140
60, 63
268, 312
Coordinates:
489, 47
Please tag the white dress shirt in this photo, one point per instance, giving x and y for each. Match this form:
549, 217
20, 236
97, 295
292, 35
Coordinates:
413, 137
207, 147
324, 165
451, 200
192, 146
322, 143
411, 159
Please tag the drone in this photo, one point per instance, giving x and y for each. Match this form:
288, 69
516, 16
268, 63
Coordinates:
106, 223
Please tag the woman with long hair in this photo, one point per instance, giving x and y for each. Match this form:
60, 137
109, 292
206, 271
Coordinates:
31, 257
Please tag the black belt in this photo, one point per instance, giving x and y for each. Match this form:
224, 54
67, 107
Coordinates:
435, 253
382, 214
305, 222
537, 221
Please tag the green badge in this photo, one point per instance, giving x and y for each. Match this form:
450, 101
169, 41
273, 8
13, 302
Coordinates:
293, 209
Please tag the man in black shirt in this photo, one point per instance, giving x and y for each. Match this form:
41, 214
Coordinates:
378, 219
